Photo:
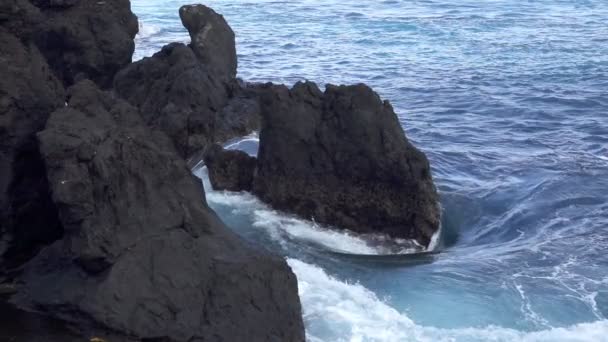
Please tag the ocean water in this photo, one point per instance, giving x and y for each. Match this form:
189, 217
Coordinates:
508, 98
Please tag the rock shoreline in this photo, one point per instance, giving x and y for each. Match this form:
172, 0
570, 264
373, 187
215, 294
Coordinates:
104, 228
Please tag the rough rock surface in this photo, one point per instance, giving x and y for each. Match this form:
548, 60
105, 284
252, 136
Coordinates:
212, 39
28, 94
177, 94
341, 157
230, 170
79, 39
87, 39
142, 255
190, 92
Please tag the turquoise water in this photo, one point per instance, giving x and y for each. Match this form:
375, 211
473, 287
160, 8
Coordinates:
509, 99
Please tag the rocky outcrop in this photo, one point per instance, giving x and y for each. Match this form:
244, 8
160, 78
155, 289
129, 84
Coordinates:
142, 255
230, 170
212, 39
190, 92
341, 158
28, 94
87, 39
102, 225
79, 39
175, 93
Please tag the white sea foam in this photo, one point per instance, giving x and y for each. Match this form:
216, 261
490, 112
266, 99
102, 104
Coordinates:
339, 311
280, 225
147, 30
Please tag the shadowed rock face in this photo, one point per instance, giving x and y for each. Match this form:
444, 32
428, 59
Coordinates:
102, 224
28, 94
176, 93
230, 169
87, 39
341, 157
142, 254
212, 39
190, 92
79, 39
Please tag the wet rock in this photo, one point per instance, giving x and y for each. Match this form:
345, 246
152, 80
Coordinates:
28, 94
212, 40
230, 170
142, 255
341, 158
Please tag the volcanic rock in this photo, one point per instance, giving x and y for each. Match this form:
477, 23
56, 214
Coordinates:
212, 39
142, 255
175, 93
230, 170
340, 157
28, 94
79, 39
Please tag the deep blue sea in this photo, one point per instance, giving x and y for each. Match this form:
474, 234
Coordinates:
509, 100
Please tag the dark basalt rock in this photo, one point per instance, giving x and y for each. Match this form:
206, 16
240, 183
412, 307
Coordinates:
230, 170
142, 255
341, 158
79, 39
190, 92
88, 39
176, 93
181, 96
212, 39
28, 94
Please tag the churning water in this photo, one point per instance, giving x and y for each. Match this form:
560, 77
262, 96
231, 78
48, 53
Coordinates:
509, 99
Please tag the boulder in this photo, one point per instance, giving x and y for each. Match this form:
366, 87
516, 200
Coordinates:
212, 40
28, 94
230, 170
142, 255
340, 157
86, 39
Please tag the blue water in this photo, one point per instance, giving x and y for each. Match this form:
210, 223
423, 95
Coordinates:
509, 99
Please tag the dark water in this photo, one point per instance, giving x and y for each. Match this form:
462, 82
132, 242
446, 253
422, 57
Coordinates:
509, 99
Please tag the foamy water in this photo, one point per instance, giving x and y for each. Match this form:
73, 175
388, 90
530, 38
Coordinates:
508, 100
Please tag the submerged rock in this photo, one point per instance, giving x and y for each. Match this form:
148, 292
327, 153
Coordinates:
230, 170
340, 157
28, 94
142, 255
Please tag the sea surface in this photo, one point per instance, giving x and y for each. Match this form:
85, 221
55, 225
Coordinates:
509, 100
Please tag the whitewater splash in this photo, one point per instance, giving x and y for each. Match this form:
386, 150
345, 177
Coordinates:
335, 310
282, 227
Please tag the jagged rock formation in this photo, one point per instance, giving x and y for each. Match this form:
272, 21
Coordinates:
79, 39
175, 93
341, 158
230, 170
190, 92
142, 255
28, 94
102, 225
212, 39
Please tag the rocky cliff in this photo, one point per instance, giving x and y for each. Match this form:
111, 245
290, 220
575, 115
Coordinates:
103, 226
